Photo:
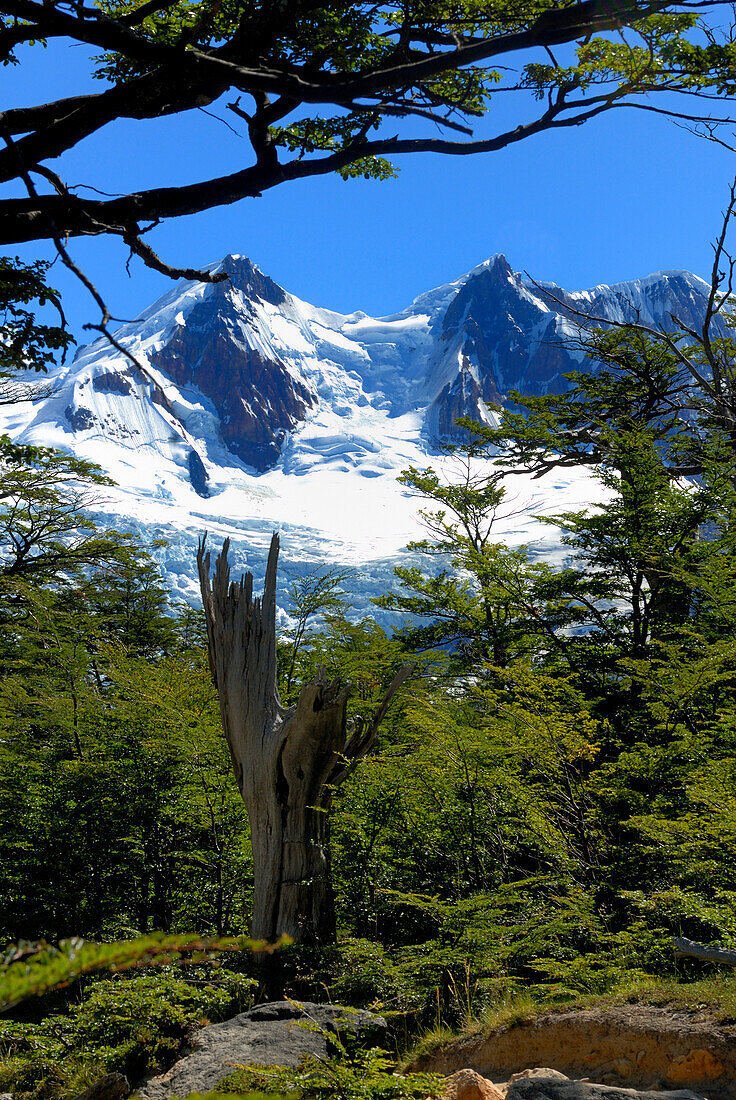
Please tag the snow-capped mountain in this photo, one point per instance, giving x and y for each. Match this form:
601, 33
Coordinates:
253, 410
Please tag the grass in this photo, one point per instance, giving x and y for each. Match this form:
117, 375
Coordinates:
716, 996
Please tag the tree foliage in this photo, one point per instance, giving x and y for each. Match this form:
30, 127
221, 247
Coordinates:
335, 87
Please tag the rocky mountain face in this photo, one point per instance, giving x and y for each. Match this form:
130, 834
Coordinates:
256, 398
501, 333
501, 337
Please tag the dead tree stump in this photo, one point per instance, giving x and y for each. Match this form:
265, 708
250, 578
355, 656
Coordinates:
287, 762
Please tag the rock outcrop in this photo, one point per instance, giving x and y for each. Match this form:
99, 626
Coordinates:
624, 1047
546, 1084
552, 1088
277, 1034
466, 1084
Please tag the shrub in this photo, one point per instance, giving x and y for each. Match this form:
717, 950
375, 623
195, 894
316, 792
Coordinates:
133, 1025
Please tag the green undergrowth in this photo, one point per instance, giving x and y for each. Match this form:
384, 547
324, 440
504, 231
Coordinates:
714, 995
359, 1075
236, 1096
132, 1025
136, 1025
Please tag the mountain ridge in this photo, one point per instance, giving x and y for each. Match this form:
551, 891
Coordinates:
256, 409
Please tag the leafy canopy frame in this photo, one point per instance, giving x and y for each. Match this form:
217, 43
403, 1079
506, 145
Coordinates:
336, 86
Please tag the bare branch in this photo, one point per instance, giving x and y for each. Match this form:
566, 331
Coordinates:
685, 948
80, 216
153, 260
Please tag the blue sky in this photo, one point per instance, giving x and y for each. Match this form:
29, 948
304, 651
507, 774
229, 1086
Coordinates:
624, 195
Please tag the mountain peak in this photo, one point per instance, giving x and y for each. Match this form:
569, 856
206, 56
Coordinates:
248, 278
499, 264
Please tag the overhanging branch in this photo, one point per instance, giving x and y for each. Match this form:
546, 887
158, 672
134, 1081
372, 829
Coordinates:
179, 71
78, 216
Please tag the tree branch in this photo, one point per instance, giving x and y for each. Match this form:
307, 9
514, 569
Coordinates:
23, 221
364, 735
183, 72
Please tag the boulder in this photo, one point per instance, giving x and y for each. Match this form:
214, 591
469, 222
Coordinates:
111, 1087
277, 1034
553, 1088
538, 1071
466, 1084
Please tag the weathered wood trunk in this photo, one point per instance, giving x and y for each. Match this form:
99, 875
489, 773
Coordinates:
287, 762
284, 789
